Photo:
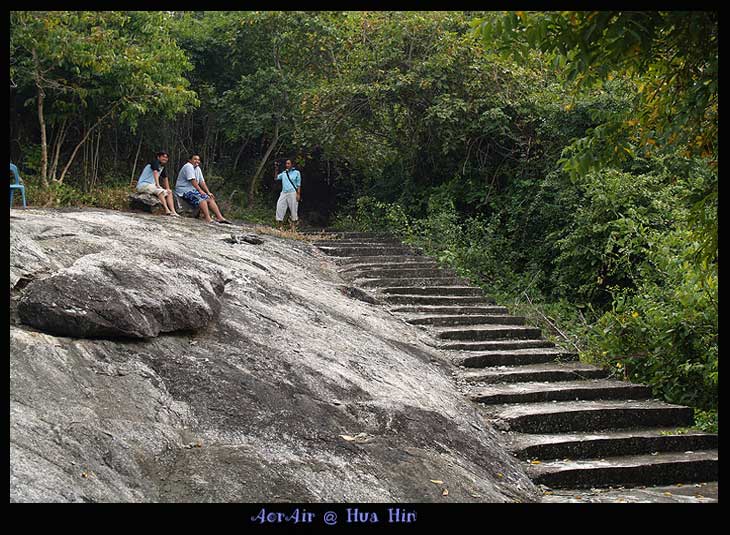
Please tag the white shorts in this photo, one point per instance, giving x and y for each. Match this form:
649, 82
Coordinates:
151, 189
287, 200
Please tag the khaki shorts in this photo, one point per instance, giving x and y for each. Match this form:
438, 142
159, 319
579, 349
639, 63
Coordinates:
151, 189
287, 200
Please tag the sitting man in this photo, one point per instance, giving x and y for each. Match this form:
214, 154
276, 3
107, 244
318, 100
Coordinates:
191, 187
149, 182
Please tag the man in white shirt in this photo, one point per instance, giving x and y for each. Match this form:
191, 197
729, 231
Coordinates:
191, 186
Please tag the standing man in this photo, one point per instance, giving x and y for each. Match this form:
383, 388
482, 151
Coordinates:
149, 182
291, 194
191, 186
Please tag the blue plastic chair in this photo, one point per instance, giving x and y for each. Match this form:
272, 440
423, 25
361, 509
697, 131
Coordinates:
17, 185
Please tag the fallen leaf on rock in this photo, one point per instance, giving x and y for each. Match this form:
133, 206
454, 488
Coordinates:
667, 494
500, 474
437, 481
348, 437
535, 462
445, 492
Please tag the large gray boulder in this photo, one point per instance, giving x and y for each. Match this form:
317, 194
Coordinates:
138, 296
294, 392
146, 203
151, 204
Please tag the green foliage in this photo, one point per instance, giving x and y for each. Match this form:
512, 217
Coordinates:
665, 330
58, 195
99, 62
371, 215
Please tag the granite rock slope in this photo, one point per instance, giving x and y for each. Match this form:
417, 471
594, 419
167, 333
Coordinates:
287, 388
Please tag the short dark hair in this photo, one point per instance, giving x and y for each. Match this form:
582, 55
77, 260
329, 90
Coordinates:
161, 153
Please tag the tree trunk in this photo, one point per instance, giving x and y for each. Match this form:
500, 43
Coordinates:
41, 122
60, 138
95, 161
240, 151
83, 140
136, 157
255, 180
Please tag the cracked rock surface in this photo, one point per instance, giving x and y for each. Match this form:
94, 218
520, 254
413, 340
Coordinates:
250, 376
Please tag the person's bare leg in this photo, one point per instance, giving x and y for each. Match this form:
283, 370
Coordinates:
161, 196
216, 210
206, 212
171, 202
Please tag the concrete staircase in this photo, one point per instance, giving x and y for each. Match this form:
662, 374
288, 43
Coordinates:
573, 425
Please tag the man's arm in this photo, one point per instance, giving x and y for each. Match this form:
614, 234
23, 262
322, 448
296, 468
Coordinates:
205, 187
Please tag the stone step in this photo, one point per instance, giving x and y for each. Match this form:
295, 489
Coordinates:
489, 332
407, 273
394, 260
413, 262
608, 443
366, 251
497, 345
551, 371
508, 356
358, 244
437, 289
356, 241
679, 492
561, 416
348, 235
470, 319
438, 300
659, 469
536, 392
452, 310
424, 286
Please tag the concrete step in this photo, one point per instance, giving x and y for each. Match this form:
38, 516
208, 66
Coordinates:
394, 259
608, 443
679, 492
437, 289
497, 345
356, 241
398, 262
506, 356
438, 300
450, 310
348, 235
406, 272
424, 286
356, 244
366, 251
551, 371
489, 332
536, 392
659, 469
561, 416
471, 319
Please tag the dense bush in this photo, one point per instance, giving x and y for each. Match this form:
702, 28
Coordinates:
614, 271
